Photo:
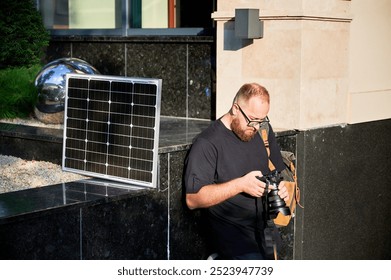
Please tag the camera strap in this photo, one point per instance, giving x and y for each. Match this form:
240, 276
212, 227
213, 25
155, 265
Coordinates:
270, 228
269, 232
264, 133
295, 194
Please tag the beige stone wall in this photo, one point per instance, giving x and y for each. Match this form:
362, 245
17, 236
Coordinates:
370, 61
304, 59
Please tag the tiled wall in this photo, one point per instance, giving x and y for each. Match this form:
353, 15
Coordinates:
153, 224
343, 176
343, 173
185, 64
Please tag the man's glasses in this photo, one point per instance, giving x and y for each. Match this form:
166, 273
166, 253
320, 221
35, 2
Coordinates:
253, 123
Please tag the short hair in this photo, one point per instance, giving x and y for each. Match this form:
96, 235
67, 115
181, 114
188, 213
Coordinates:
250, 90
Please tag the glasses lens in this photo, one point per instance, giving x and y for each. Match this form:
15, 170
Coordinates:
253, 124
260, 123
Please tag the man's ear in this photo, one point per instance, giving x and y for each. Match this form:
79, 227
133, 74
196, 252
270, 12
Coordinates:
234, 109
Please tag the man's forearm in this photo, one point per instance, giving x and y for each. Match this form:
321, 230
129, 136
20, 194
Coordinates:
213, 194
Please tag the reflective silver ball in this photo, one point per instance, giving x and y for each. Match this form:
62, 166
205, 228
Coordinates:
50, 83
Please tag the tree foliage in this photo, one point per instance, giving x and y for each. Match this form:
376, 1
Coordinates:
23, 36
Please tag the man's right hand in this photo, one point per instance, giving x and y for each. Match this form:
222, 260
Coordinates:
252, 185
213, 194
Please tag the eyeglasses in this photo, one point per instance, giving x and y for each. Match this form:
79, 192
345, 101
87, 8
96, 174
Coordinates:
253, 123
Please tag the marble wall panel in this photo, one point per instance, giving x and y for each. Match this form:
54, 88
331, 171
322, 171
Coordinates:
57, 50
164, 61
201, 82
51, 236
107, 57
183, 246
133, 228
185, 66
345, 176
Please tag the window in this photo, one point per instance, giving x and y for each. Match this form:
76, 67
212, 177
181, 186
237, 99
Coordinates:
126, 17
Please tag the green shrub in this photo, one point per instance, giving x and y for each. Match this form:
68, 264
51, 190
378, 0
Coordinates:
18, 94
22, 34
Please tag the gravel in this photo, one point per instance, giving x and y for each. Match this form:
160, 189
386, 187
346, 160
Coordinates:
31, 122
18, 174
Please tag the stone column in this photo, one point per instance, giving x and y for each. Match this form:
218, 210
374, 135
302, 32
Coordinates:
302, 59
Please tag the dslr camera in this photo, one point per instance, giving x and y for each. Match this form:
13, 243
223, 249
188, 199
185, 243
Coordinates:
274, 203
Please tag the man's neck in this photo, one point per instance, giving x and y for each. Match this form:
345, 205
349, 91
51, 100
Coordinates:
226, 119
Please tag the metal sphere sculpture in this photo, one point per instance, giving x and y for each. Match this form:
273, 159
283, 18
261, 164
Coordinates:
50, 83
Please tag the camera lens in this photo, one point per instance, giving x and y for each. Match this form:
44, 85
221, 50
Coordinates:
276, 205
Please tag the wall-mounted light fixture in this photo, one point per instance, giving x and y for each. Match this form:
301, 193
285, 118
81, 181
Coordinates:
247, 24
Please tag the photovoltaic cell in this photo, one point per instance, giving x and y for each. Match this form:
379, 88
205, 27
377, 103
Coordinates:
111, 127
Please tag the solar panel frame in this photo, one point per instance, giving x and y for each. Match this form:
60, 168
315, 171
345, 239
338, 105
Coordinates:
111, 128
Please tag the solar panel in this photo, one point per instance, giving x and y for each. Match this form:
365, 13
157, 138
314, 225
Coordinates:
111, 127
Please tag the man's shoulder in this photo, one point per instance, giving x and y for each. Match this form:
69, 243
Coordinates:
213, 132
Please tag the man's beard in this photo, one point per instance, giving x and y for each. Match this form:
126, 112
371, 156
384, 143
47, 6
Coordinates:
243, 135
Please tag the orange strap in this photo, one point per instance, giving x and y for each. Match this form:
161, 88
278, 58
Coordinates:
264, 135
297, 192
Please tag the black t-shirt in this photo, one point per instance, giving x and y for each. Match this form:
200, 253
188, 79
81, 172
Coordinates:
216, 156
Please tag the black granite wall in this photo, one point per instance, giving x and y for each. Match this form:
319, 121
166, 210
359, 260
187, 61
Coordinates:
186, 64
79, 221
287, 141
345, 178
154, 225
93, 227
44, 143
85, 221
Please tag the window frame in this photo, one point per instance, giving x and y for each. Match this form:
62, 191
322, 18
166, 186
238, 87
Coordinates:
127, 31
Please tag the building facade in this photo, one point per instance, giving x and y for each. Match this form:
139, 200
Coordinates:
327, 66
324, 62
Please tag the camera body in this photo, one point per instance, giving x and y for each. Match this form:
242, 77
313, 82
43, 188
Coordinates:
274, 202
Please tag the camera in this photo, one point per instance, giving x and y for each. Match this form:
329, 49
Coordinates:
274, 202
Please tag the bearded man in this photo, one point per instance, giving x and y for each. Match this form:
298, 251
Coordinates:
222, 172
